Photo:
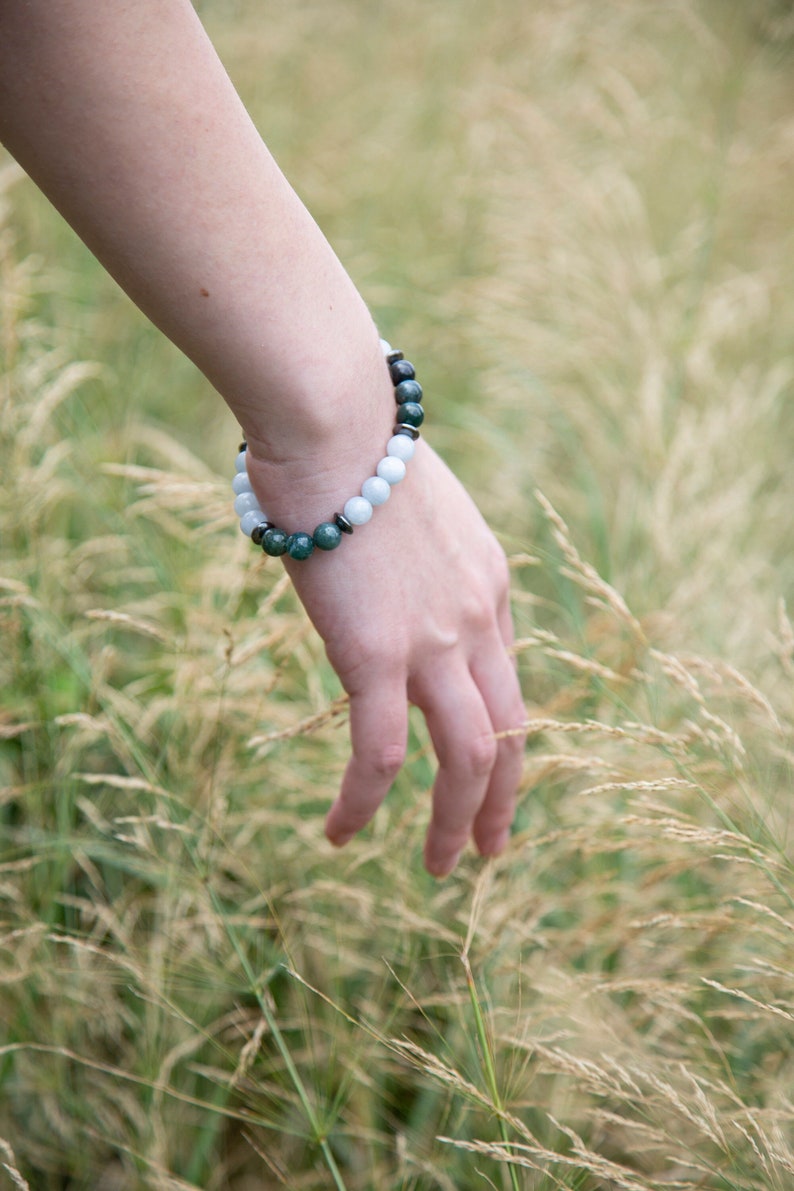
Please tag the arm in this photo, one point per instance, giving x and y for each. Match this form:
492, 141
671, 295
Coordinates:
123, 115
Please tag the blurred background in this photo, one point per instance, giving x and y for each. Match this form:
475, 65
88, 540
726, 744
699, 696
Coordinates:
578, 218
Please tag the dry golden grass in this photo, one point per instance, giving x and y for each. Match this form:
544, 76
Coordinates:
579, 217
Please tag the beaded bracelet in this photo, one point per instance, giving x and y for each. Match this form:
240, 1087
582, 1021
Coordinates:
374, 491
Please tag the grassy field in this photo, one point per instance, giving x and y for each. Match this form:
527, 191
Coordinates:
578, 217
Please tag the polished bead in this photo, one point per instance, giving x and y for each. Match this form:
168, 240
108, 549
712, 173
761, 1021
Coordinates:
401, 446
391, 469
408, 390
239, 463
385, 347
299, 545
410, 414
241, 483
402, 370
376, 490
409, 432
393, 356
327, 536
243, 446
343, 523
259, 531
274, 542
246, 502
358, 510
249, 521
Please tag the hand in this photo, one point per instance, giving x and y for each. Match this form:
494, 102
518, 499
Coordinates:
415, 608
98, 102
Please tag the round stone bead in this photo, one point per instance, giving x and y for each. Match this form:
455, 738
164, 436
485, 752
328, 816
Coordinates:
402, 370
391, 469
239, 463
358, 510
241, 483
259, 531
376, 490
408, 390
327, 536
401, 447
411, 414
299, 545
250, 520
246, 502
274, 542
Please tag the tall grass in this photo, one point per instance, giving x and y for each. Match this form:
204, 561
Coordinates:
578, 217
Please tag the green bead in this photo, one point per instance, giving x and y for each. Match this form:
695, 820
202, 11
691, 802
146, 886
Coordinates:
402, 370
299, 546
410, 413
274, 542
408, 390
327, 536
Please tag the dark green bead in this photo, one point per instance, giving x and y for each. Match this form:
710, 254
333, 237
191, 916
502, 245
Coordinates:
299, 546
402, 370
410, 413
408, 390
327, 536
274, 542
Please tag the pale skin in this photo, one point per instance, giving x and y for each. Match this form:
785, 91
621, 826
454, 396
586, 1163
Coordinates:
122, 113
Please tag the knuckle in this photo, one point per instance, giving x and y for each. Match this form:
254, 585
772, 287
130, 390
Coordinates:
480, 609
480, 754
385, 761
365, 654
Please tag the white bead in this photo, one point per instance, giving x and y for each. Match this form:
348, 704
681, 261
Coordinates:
246, 502
376, 490
385, 347
250, 520
239, 462
391, 469
358, 510
401, 447
241, 483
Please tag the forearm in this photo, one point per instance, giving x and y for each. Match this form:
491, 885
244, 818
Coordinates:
124, 116
121, 112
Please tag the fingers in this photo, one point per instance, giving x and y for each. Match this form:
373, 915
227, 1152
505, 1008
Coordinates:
463, 738
378, 735
467, 702
478, 776
497, 681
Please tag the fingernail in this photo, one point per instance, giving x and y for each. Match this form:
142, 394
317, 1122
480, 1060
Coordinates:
339, 839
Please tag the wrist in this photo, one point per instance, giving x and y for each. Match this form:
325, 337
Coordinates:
324, 452
325, 388
315, 498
